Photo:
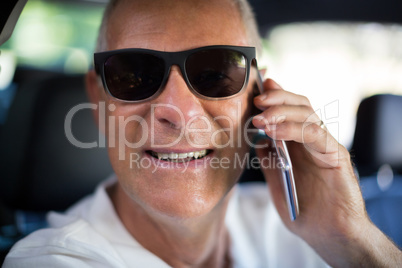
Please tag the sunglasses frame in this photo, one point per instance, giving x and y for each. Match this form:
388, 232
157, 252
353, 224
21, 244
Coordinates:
178, 58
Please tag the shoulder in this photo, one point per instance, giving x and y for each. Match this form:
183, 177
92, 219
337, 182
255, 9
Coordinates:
90, 234
75, 244
73, 239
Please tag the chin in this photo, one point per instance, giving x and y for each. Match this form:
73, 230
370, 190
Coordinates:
183, 205
168, 193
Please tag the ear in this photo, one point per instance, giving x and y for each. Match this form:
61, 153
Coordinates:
95, 95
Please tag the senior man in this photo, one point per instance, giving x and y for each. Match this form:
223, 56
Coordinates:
177, 83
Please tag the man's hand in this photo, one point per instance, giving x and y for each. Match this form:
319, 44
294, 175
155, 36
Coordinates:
332, 219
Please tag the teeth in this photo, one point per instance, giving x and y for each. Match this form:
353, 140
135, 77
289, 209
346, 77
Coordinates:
175, 156
181, 156
162, 156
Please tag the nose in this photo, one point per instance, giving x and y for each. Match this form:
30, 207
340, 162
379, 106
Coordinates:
176, 105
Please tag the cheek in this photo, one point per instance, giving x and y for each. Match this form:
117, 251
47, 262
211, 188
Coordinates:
126, 131
233, 116
126, 125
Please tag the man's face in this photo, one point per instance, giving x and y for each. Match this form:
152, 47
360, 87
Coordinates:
177, 121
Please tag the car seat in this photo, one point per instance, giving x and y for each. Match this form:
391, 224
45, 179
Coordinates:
40, 169
377, 153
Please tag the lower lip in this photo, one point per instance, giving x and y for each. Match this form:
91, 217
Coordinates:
196, 163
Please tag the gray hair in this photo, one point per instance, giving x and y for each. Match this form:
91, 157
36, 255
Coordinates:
245, 10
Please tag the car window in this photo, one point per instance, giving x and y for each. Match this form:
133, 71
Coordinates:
56, 35
336, 65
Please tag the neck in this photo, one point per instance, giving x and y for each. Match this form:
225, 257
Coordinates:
200, 242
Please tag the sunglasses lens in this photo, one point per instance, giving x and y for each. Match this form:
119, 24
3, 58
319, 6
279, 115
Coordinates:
133, 76
216, 73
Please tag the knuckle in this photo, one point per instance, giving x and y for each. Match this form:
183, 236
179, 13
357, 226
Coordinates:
310, 115
311, 132
275, 93
288, 131
305, 100
310, 110
275, 114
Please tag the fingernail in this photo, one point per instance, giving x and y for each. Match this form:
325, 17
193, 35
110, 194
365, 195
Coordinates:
262, 97
260, 120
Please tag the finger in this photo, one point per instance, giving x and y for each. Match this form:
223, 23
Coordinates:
279, 97
316, 140
286, 113
273, 94
271, 84
306, 133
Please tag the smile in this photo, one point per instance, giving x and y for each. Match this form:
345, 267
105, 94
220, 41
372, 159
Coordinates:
179, 157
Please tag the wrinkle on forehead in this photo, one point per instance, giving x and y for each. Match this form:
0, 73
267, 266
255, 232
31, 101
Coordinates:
141, 24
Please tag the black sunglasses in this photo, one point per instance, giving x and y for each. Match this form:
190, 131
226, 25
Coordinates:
212, 72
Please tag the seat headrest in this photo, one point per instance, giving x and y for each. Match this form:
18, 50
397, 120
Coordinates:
41, 169
378, 134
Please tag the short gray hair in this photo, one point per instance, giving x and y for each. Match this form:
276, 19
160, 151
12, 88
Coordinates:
243, 6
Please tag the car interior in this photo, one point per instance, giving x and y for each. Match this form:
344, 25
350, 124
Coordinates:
40, 170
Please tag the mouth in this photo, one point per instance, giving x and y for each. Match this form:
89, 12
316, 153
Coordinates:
179, 157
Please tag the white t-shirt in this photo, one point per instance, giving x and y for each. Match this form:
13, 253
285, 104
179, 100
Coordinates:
90, 234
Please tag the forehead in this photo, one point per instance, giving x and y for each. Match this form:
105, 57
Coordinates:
175, 25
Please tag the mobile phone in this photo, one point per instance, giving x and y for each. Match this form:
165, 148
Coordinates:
285, 164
